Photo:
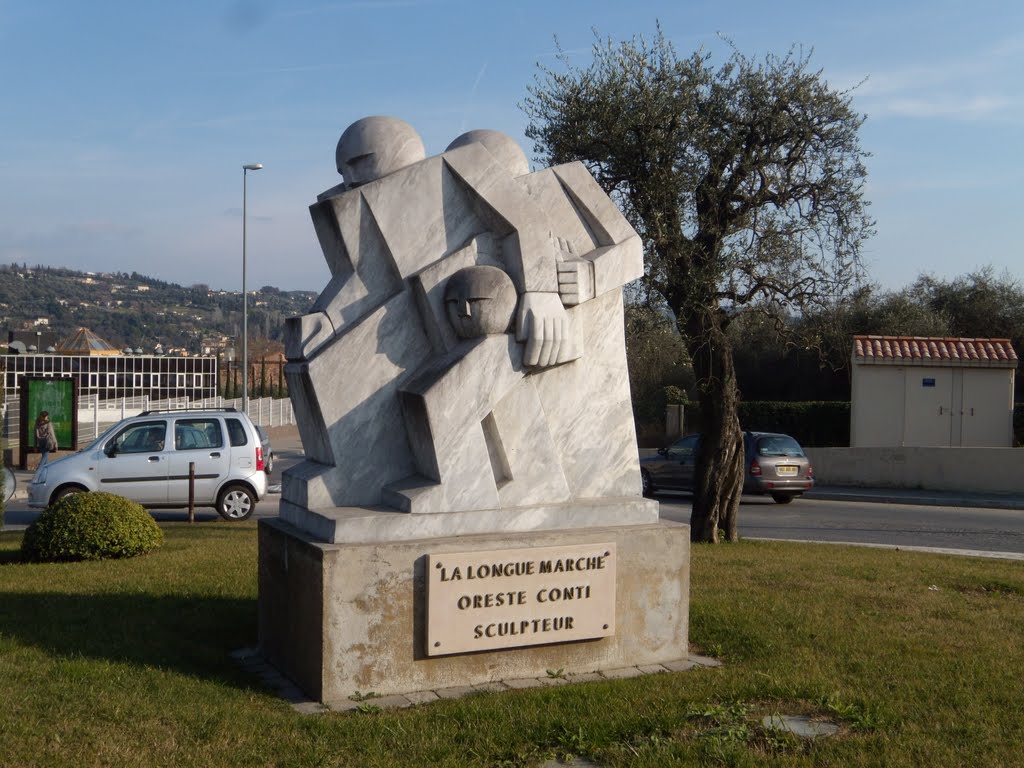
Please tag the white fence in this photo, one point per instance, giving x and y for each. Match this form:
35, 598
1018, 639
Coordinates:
95, 415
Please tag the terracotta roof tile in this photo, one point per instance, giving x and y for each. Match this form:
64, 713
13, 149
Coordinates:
920, 350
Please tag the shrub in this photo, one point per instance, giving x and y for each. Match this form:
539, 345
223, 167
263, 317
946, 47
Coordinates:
91, 526
813, 423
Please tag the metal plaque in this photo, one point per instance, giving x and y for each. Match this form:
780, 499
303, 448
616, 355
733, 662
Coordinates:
480, 601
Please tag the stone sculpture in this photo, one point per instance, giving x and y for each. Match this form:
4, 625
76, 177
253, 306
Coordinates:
465, 365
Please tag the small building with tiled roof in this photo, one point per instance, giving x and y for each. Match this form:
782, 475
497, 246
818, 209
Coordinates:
925, 391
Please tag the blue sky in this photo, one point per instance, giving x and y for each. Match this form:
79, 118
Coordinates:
124, 125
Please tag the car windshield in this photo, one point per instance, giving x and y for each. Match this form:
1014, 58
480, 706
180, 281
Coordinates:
779, 445
100, 438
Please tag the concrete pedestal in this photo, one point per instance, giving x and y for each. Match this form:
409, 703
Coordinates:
341, 618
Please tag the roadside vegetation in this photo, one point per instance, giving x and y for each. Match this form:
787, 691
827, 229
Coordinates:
915, 657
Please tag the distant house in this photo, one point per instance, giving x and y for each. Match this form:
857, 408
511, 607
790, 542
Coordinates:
922, 391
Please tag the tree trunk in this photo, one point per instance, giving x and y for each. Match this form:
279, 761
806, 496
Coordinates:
719, 471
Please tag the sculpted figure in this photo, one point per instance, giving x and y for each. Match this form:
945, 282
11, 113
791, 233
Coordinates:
374, 148
468, 351
480, 301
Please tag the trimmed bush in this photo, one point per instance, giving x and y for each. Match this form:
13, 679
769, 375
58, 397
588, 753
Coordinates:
91, 526
813, 423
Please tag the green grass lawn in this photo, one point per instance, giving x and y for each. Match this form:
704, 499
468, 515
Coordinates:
917, 657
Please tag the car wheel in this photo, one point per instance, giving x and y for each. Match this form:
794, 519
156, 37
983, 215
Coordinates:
67, 490
268, 464
235, 503
783, 498
646, 484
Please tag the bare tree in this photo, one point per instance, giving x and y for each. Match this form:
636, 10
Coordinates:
746, 183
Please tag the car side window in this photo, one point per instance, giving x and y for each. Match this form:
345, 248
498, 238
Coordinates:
190, 434
142, 437
237, 432
684, 448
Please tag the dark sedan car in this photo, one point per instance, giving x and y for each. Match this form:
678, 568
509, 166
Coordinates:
774, 464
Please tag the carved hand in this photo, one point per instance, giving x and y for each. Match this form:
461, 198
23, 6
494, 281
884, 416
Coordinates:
575, 281
544, 326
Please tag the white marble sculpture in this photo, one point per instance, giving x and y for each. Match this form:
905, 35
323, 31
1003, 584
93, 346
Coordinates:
464, 370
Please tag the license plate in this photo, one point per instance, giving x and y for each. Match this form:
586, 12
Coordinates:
786, 470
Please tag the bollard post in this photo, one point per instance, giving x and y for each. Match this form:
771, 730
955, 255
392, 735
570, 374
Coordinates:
191, 491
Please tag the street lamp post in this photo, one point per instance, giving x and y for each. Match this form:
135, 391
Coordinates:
245, 296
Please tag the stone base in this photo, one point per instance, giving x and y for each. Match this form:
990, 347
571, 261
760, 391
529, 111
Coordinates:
341, 618
365, 525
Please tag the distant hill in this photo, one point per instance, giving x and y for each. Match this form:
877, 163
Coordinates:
138, 311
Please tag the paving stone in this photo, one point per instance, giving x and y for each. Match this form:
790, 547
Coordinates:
704, 661
291, 693
585, 677
524, 682
549, 680
682, 665
422, 697
622, 673
652, 669
495, 686
309, 708
343, 705
576, 762
455, 692
396, 701
801, 726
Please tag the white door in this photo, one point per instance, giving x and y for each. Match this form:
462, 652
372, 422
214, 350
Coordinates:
134, 463
198, 439
928, 407
987, 413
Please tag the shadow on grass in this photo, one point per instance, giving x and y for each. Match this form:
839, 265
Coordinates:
191, 635
10, 556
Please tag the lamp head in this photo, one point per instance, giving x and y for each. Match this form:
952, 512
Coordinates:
252, 166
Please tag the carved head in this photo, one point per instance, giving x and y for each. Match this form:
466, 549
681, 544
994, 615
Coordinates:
504, 148
376, 146
480, 301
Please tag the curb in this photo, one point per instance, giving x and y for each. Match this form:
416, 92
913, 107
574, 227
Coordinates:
921, 498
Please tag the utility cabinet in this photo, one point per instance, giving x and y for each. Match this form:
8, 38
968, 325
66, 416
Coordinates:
931, 392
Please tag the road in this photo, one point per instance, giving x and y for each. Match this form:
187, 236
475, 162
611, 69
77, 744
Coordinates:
905, 525
806, 518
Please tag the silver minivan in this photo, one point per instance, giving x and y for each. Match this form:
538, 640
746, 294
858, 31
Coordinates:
146, 458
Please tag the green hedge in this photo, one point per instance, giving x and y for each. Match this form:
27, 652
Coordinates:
91, 526
822, 423
818, 423
812, 423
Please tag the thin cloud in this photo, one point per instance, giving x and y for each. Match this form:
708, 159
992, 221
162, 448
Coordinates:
945, 87
970, 107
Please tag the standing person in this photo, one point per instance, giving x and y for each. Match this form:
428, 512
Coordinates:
46, 438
